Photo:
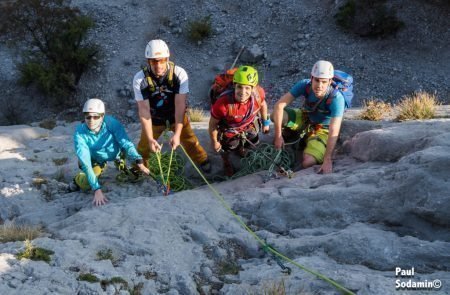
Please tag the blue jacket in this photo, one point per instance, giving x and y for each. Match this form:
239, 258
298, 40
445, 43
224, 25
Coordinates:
102, 147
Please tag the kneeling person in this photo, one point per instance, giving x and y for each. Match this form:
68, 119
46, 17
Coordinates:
98, 140
234, 118
320, 117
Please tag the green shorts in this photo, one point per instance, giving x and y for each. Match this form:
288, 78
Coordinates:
316, 143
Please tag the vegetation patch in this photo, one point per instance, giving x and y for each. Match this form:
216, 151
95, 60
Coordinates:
199, 30
54, 37
35, 253
419, 105
88, 277
275, 288
60, 161
368, 18
196, 115
107, 254
12, 232
375, 110
117, 281
228, 268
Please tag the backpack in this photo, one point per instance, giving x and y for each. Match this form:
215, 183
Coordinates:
151, 83
222, 82
342, 82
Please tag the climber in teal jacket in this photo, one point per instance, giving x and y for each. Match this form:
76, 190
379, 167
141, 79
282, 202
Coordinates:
97, 140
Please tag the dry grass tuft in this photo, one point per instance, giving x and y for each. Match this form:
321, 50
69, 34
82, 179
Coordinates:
375, 110
13, 232
197, 115
275, 288
419, 105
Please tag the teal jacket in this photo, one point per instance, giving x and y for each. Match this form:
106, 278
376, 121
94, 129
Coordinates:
104, 146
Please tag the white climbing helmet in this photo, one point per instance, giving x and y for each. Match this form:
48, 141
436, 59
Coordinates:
94, 105
156, 49
323, 69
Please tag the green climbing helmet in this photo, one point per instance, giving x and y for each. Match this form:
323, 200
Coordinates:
246, 75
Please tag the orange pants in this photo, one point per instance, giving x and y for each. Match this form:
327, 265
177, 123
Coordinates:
187, 139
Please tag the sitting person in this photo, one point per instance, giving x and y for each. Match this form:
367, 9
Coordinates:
97, 140
234, 124
320, 117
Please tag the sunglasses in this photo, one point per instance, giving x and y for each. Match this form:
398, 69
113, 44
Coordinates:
92, 117
158, 61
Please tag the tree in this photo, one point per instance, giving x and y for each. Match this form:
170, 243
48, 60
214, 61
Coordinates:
52, 39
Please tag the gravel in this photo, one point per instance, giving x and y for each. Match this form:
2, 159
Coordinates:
283, 38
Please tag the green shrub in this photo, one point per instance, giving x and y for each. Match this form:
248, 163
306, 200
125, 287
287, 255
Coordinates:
419, 105
54, 35
107, 254
200, 29
88, 277
368, 18
35, 253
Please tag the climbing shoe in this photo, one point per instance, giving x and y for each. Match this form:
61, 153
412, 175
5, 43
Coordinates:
206, 166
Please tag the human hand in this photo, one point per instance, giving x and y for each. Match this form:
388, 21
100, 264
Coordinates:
143, 169
216, 146
278, 142
175, 141
154, 146
266, 129
327, 167
99, 198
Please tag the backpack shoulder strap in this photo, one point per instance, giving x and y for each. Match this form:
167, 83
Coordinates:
170, 75
151, 83
148, 78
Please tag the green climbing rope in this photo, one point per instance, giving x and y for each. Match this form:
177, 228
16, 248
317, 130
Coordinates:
265, 246
262, 158
159, 164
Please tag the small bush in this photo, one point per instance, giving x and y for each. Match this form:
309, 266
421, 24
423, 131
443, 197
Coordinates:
368, 18
35, 253
228, 268
419, 105
88, 277
107, 254
374, 110
200, 29
56, 52
196, 115
13, 232
275, 288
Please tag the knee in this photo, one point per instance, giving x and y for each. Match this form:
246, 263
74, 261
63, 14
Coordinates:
308, 161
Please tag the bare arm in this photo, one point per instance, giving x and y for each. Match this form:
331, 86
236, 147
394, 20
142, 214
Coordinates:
213, 132
277, 118
146, 123
333, 133
180, 110
263, 113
